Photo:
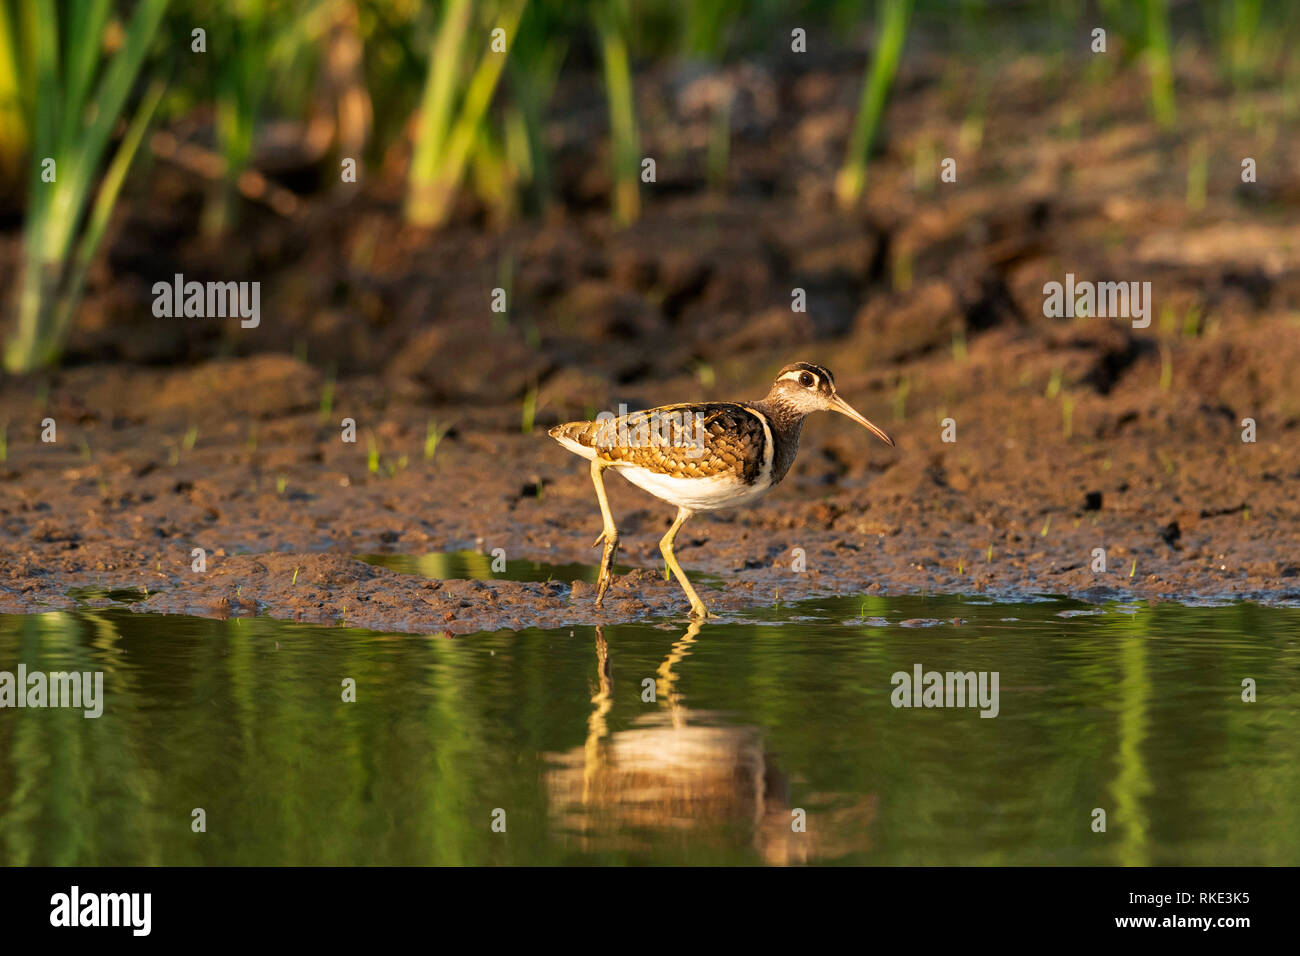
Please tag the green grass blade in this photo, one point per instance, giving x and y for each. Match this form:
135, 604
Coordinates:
533, 69
436, 108
707, 22
40, 274
41, 31
894, 17
84, 41
433, 203
611, 24
55, 210
110, 98
100, 213
15, 134
1160, 62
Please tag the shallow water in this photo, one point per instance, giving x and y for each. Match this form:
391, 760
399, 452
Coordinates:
476, 566
1136, 711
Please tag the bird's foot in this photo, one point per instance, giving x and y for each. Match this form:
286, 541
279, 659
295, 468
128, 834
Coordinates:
610, 537
701, 613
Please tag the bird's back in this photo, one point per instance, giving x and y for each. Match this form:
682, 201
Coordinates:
694, 440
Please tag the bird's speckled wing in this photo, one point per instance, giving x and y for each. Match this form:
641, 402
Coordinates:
687, 441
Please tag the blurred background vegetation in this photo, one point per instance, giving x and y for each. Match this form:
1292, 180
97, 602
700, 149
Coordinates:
456, 99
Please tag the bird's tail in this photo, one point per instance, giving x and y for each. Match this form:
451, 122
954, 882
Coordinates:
581, 432
578, 437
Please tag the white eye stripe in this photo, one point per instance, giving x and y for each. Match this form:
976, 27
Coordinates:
794, 376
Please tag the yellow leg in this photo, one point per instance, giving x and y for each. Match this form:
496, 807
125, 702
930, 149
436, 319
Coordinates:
666, 547
609, 535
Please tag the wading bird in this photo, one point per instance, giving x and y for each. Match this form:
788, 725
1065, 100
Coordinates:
703, 456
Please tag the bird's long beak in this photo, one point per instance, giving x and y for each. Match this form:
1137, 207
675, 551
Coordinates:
844, 408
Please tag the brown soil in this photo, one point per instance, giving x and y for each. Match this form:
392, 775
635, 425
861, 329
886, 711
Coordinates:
1071, 434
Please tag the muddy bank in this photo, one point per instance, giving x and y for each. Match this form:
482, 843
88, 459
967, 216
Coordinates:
120, 502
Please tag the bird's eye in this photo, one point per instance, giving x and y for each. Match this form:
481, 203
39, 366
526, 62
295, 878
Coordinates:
806, 380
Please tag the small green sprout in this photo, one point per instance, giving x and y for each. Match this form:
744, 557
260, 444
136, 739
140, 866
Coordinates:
529, 410
432, 436
327, 399
900, 398
1053, 384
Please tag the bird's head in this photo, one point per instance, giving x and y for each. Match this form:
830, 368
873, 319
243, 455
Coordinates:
805, 388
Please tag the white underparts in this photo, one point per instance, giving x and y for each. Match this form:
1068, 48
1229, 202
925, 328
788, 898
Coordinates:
695, 494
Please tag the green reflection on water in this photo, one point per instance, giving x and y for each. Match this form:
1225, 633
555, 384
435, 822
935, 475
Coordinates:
477, 566
474, 565
1137, 713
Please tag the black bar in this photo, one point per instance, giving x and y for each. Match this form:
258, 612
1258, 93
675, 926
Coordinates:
331, 905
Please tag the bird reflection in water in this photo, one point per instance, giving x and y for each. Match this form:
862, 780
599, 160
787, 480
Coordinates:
679, 779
